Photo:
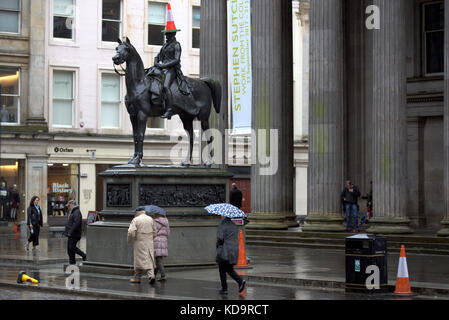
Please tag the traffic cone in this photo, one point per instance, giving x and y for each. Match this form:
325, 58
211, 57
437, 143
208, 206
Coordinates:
402, 282
170, 26
24, 278
242, 262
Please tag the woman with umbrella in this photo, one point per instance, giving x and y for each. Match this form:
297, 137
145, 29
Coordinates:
227, 243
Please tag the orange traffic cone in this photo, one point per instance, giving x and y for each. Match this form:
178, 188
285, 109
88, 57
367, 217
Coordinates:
24, 278
402, 282
242, 262
170, 25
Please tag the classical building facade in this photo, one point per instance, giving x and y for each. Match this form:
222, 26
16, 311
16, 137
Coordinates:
378, 112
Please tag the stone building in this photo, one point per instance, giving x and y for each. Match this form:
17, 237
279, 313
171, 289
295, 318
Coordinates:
65, 119
378, 110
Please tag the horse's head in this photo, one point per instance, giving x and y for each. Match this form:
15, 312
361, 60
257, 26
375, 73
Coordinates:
123, 51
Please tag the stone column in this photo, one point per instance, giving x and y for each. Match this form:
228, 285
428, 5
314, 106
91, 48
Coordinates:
37, 183
445, 222
272, 109
390, 120
214, 63
36, 113
325, 174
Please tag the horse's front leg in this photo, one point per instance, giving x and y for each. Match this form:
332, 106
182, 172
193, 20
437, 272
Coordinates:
133, 119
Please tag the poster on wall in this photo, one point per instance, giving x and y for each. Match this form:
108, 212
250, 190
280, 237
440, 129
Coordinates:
239, 63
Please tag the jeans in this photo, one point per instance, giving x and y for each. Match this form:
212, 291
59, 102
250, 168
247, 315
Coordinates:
352, 206
229, 269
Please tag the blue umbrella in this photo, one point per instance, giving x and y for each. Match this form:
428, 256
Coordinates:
152, 209
225, 209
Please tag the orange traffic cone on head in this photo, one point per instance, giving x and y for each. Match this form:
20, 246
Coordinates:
402, 282
241, 262
170, 25
24, 278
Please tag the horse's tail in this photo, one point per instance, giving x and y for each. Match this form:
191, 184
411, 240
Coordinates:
215, 88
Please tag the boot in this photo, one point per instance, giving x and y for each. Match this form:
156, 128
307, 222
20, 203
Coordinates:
168, 103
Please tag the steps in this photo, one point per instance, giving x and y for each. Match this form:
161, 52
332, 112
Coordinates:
324, 240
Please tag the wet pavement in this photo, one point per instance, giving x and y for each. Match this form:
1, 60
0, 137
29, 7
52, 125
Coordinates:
274, 275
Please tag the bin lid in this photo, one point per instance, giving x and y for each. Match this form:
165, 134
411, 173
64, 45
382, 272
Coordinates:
361, 236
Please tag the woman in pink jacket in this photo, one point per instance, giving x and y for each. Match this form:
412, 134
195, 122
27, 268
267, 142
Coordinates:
161, 244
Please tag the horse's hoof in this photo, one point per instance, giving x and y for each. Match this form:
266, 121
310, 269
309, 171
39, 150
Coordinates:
134, 161
185, 164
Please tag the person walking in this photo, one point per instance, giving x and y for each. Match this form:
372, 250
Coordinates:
349, 197
34, 222
142, 232
161, 244
235, 196
73, 231
228, 253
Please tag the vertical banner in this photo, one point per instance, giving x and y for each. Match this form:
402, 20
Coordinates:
239, 63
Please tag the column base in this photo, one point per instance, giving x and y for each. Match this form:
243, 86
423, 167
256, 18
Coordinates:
267, 221
290, 220
323, 223
445, 231
389, 225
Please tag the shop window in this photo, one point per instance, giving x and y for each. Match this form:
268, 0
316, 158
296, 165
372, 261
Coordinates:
156, 23
434, 38
63, 182
12, 188
9, 95
63, 19
10, 16
196, 18
111, 20
110, 101
63, 98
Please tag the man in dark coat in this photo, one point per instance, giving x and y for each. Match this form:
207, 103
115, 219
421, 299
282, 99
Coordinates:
236, 196
349, 196
228, 253
73, 230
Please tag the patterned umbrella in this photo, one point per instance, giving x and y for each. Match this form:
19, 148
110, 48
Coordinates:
225, 209
152, 209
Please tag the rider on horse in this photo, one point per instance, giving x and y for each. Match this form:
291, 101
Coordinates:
168, 61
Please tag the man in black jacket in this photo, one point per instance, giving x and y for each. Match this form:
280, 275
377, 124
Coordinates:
73, 230
349, 196
235, 196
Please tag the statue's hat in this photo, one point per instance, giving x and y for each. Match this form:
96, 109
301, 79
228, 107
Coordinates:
170, 26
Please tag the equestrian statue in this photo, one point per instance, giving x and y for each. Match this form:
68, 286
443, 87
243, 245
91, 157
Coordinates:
163, 91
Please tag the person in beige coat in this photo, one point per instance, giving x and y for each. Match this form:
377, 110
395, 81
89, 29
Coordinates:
141, 232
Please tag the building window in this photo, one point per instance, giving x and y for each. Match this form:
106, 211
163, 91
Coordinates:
10, 16
112, 20
196, 17
63, 19
434, 38
63, 101
110, 101
9, 95
156, 23
156, 123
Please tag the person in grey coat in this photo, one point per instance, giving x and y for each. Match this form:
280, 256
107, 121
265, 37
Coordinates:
228, 253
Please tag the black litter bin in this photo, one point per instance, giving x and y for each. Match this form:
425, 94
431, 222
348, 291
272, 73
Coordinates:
366, 264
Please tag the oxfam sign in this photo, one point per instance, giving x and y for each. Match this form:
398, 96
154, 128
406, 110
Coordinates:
62, 150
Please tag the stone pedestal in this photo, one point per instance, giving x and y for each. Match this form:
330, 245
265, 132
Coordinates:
182, 192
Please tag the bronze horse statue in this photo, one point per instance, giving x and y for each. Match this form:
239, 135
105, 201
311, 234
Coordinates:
144, 99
